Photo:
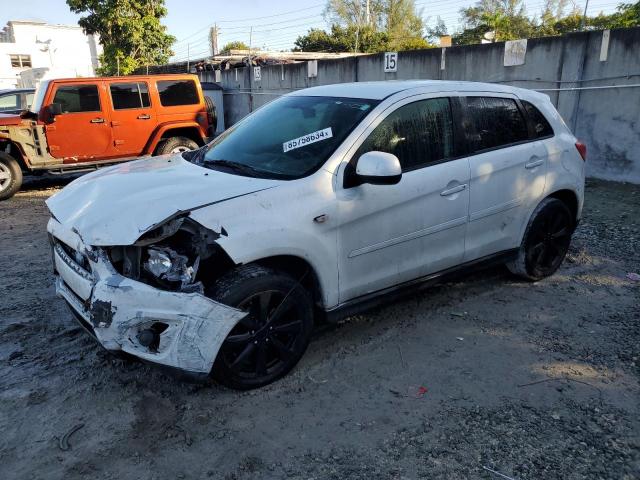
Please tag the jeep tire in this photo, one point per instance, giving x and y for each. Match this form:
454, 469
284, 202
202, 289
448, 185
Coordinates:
176, 145
10, 176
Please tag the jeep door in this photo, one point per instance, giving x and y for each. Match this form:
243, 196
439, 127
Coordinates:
133, 118
390, 234
508, 173
82, 131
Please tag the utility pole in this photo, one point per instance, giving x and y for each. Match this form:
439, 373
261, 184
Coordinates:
188, 57
584, 16
368, 14
214, 40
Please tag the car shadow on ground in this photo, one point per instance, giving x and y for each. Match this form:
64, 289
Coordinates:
47, 181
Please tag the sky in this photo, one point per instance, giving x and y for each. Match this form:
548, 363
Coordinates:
268, 24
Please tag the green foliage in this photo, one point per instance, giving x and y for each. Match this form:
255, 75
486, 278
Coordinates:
393, 25
507, 20
343, 39
130, 32
226, 50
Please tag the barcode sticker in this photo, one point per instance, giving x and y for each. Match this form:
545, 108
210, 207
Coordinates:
307, 139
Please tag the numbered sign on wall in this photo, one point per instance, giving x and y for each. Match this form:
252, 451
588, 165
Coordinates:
257, 75
390, 62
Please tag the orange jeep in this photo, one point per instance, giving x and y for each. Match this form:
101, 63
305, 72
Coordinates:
80, 124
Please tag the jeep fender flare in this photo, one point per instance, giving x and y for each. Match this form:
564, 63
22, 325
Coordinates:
166, 127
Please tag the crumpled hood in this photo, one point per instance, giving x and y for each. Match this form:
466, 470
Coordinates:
115, 205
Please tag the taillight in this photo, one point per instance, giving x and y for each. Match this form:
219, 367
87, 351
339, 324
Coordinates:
582, 150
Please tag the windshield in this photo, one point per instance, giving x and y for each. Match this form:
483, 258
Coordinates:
39, 96
288, 138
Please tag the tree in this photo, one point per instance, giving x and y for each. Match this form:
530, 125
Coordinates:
438, 30
507, 20
130, 32
226, 50
391, 25
343, 39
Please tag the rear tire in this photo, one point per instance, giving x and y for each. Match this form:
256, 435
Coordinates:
270, 341
176, 145
10, 176
546, 241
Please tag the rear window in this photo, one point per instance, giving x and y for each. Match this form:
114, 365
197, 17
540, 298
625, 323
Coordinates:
129, 95
78, 98
496, 121
178, 92
541, 126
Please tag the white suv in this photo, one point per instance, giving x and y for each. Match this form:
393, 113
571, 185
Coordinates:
218, 261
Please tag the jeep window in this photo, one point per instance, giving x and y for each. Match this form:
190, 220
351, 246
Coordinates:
9, 102
541, 126
291, 137
78, 98
129, 95
178, 92
419, 134
497, 121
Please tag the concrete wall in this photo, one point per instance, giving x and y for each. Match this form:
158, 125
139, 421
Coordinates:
566, 68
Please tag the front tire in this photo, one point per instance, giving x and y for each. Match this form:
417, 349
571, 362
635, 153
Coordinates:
10, 176
175, 145
270, 341
546, 241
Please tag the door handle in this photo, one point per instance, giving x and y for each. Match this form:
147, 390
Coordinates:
97, 120
451, 191
533, 164
144, 116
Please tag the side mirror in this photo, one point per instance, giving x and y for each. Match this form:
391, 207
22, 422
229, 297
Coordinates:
54, 109
378, 168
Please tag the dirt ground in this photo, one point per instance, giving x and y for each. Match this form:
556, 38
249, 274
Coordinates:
529, 380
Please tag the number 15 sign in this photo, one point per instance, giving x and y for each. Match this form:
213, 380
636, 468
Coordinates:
391, 62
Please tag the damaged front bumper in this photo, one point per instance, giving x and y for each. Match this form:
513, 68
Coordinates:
122, 313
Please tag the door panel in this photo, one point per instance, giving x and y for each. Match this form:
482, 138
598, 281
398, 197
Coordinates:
82, 132
506, 181
391, 234
133, 118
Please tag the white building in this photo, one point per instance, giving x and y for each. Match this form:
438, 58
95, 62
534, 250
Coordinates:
30, 51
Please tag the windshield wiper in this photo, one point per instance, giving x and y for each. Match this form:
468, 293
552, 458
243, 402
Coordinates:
235, 166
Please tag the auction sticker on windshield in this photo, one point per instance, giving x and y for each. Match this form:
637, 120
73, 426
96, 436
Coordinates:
307, 139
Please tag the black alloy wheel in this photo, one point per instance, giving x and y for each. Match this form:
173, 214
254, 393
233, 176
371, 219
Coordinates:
270, 340
546, 241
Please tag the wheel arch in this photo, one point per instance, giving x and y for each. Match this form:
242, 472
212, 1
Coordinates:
298, 268
12, 149
570, 199
191, 130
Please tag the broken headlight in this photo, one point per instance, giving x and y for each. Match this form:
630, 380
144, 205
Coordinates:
179, 255
167, 265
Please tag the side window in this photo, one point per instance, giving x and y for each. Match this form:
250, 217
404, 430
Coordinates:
178, 92
28, 100
419, 134
497, 122
129, 95
541, 126
78, 98
9, 102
